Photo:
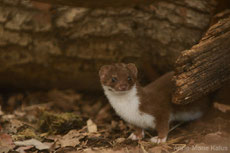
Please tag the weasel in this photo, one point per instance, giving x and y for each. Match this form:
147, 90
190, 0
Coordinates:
148, 107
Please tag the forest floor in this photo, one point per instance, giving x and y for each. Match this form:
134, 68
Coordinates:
66, 121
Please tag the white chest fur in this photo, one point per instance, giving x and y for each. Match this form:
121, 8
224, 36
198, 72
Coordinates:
126, 105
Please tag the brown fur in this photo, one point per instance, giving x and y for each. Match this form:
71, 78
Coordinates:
120, 72
155, 98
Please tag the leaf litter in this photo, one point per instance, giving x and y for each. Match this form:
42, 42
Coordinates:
32, 142
67, 121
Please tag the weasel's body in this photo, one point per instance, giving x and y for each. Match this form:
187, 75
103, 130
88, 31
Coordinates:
127, 106
147, 107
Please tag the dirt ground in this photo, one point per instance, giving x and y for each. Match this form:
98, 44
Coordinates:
67, 121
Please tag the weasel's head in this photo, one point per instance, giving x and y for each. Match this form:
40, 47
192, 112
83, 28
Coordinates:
118, 77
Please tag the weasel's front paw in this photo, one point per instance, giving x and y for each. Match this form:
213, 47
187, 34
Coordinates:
158, 140
133, 136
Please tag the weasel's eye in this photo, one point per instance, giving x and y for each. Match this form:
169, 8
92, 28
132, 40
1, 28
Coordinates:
129, 78
114, 79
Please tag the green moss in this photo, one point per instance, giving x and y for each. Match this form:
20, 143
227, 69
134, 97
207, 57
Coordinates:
26, 133
54, 123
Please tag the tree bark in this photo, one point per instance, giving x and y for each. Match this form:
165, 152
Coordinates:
206, 66
44, 45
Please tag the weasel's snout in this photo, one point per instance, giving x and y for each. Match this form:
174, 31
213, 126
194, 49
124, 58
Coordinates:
123, 87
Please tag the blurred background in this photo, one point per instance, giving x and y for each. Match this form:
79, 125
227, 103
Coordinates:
61, 45
50, 54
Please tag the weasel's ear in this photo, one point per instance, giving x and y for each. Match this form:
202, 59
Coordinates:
132, 67
103, 71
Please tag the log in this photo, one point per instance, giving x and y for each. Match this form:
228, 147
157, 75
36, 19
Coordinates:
206, 66
47, 45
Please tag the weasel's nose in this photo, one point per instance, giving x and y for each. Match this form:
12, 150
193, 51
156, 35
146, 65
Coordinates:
123, 87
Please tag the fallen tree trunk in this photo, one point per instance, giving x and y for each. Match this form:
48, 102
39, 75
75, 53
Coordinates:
206, 66
44, 45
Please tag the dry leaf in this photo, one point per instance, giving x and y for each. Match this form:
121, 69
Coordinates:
120, 140
69, 142
32, 142
12, 125
4, 149
6, 143
222, 107
70, 139
23, 149
91, 126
